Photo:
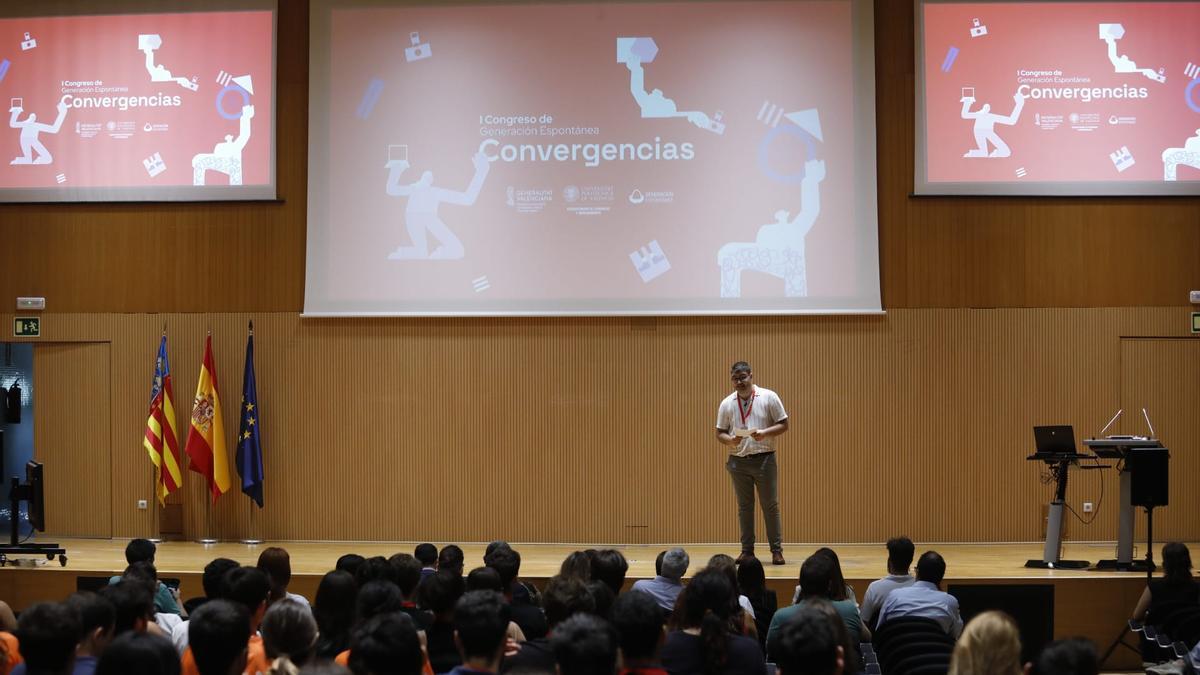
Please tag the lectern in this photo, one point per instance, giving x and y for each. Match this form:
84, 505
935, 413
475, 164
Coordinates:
1119, 448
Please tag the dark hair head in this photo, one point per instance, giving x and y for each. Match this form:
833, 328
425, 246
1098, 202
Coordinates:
218, 633
132, 601
334, 609
507, 562
484, 579
1177, 562
725, 565
739, 367
247, 586
277, 565
427, 554
439, 592
214, 577
602, 597
48, 633
138, 550
289, 629
94, 612
675, 563
142, 570
900, 553
751, 577
709, 603
816, 576
837, 586
408, 572
375, 568
492, 547
610, 566
808, 644
139, 654
349, 563
585, 645
637, 619
565, 596
387, 643
481, 622
658, 562
577, 565
931, 567
378, 597
451, 558
1076, 656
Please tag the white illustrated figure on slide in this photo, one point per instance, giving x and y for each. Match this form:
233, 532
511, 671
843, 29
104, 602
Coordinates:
778, 248
633, 52
31, 129
421, 214
149, 43
226, 156
1110, 33
985, 125
1188, 155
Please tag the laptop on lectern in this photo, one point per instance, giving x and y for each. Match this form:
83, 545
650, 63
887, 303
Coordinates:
1055, 440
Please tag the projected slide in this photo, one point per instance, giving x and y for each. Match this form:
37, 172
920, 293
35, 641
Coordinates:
138, 107
592, 159
1059, 98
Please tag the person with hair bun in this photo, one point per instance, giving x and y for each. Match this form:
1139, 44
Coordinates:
289, 634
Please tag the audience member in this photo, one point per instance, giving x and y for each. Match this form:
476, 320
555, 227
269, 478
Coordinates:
439, 595
144, 550
249, 588
386, 645
752, 584
408, 577
577, 565
334, 609
816, 581
484, 579
349, 563
451, 558
839, 589
520, 593
135, 653
1176, 584
924, 598
213, 581
602, 597
218, 638
990, 645
585, 645
48, 633
145, 573
375, 568
133, 603
480, 627
609, 566
563, 598
900, 557
277, 565
289, 634
507, 563
809, 643
378, 597
97, 622
704, 642
666, 586
427, 555
728, 566
1076, 656
637, 618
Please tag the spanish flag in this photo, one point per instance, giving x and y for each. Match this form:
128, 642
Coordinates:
162, 440
206, 439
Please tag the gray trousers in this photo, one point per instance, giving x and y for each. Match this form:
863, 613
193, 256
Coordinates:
761, 472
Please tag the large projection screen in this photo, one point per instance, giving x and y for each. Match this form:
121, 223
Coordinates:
1058, 98
125, 100
641, 158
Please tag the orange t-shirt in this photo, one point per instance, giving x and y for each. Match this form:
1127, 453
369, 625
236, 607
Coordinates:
343, 659
256, 659
12, 652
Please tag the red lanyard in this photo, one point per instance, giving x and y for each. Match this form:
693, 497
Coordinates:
746, 413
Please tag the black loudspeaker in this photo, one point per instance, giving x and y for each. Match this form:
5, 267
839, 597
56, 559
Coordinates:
1148, 471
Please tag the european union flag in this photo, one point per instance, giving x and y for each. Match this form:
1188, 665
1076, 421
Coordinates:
249, 449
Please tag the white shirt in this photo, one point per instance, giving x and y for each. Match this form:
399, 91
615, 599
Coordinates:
762, 410
179, 637
878, 592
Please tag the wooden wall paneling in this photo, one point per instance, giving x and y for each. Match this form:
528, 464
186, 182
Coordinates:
71, 436
1163, 376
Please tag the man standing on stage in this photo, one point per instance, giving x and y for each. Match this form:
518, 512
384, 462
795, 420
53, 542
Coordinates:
748, 420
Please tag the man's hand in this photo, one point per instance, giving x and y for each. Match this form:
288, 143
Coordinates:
757, 434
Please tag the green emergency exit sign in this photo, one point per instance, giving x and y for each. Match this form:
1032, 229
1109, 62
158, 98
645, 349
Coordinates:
27, 327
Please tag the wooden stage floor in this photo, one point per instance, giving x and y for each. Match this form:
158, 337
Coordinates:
1088, 603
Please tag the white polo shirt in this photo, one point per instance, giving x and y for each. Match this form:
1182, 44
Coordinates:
762, 410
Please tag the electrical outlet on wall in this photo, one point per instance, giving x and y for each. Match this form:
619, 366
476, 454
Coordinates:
1088, 507
142, 504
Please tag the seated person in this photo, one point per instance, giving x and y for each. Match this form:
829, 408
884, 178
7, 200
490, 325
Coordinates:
1176, 584
637, 619
925, 598
667, 584
387, 643
809, 644
562, 598
707, 631
585, 645
48, 633
480, 628
900, 557
143, 550
1076, 656
816, 582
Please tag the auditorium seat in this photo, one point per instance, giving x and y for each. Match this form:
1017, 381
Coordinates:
903, 657
92, 583
901, 629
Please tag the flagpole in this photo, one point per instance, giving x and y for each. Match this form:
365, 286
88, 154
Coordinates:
208, 538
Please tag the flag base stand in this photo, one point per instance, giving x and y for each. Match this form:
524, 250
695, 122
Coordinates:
253, 539
207, 541
252, 542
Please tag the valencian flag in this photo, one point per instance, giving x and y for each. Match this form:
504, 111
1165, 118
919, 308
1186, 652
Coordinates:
162, 440
206, 439
249, 449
